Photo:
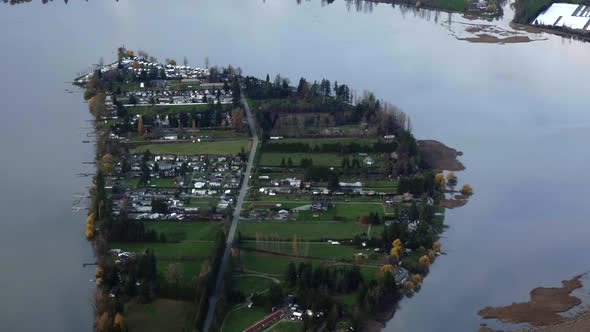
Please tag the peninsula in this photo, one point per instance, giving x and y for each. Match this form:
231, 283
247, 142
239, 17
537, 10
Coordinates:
225, 202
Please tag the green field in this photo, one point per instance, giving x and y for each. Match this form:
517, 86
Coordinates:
249, 284
189, 269
456, 5
310, 231
321, 250
287, 326
126, 87
176, 231
168, 250
349, 211
159, 315
238, 320
151, 110
163, 182
229, 147
319, 159
267, 263
320, 141
202, 201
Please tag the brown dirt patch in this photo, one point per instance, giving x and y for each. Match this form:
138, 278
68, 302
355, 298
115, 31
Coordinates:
490, 39
542, 309
439, 156
452, 203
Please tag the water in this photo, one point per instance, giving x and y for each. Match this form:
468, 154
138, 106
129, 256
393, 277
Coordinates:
519, 112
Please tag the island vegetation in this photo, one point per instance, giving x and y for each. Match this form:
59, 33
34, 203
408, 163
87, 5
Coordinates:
342, 216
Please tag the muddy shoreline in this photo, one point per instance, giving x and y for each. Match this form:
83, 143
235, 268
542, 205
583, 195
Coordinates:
542, 309
439, 156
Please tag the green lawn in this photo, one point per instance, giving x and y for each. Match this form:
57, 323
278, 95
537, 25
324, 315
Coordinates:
176, 231
321, 250
126, 87
249, 284
168, 250
457, 5
320, 141
240, 319
305, 230
349, 211
190, 269
159, 315
229, 147
287, 326
163, 182
202, 201
267, 263
319, 159
152, 110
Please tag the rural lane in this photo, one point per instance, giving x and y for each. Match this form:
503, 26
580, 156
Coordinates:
236, 217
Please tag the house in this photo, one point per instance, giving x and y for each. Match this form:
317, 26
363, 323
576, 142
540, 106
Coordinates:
400, 275
319, 206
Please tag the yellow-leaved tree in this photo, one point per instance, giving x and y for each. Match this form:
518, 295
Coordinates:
118, 321
387, 268
416, 278
436, 246
467, 190
439, 180
90, 226
424, 261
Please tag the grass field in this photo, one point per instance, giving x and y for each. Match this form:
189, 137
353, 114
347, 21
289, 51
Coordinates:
163, 182
267, 263
349, 212
202, 201
190, 269
457, 5
310, 231
230, 147
250, 284
159, 315
152, 110
320, 141
185, 231
321, 250
319, 159
240, 319
169, 250
287, 326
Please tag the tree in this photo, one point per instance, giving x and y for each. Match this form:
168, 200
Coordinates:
283, 164
439, 180
387, 268
291, 277
104, 322
118, 322
333, 182
424, 262
436, 246
467, 190
289, 162
451, 180
140, 126
174, 274
363, 219
237, 116
294, 245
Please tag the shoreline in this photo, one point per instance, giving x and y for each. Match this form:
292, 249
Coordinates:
543, 308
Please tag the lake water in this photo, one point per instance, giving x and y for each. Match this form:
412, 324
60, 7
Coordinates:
519, 112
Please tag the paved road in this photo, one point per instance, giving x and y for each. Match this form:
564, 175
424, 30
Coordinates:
234, 224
